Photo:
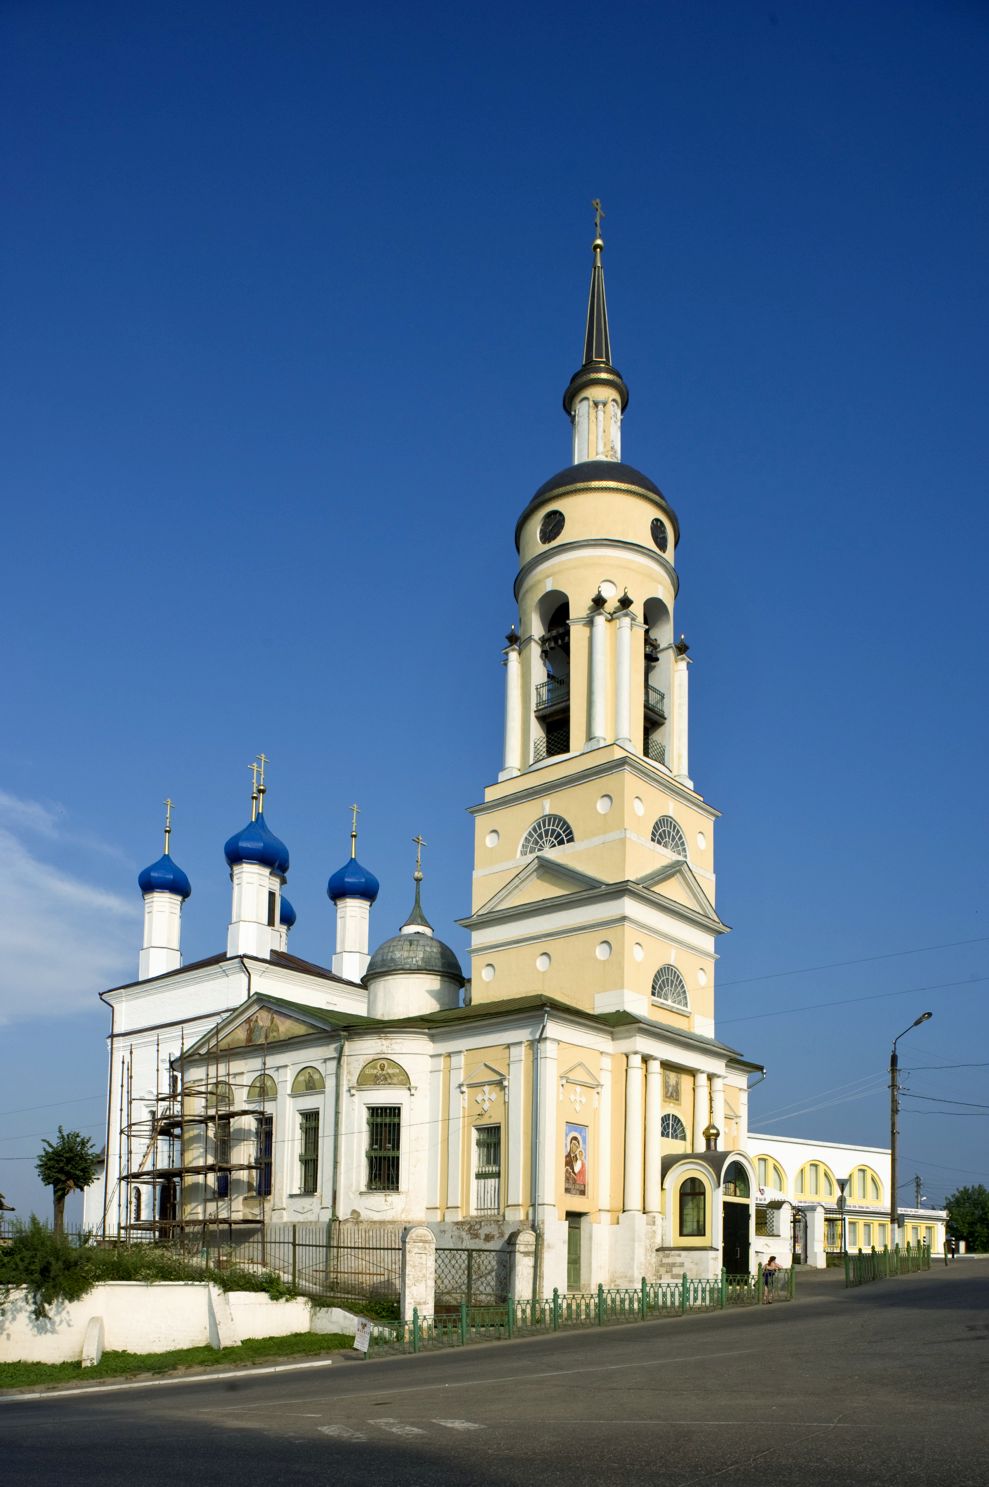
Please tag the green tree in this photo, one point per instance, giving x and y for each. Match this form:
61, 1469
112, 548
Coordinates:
67, 1166
968, 1216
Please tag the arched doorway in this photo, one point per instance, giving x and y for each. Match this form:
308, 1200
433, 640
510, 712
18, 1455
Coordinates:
736, 1208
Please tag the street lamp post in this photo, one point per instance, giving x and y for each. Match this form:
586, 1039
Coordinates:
894, 1110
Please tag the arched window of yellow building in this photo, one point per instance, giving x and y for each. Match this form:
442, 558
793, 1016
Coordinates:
669, 986
816, 1180
693, 1207
770, 1174
262, 1088
546, 833
308, 1081
667, 834
864, 1186
673, 1128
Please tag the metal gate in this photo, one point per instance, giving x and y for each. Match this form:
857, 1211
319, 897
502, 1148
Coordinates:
471, 1277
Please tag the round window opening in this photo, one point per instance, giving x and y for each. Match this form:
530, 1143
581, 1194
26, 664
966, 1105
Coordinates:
551, 526
660, 535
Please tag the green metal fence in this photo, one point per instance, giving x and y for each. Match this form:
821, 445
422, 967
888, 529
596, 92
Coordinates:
603, 1307
868, 1265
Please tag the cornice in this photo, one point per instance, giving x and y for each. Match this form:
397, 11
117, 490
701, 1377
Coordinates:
634, 763
558, 548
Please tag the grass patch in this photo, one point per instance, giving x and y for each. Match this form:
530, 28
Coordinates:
119, 1365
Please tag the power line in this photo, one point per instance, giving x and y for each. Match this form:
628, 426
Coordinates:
936, 1100
918, 1067
861, 961
876, 996
52, 1105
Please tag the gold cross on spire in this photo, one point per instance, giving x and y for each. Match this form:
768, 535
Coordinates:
418, 843
262, 787
598, 215
255, 770
355, 808
168, 824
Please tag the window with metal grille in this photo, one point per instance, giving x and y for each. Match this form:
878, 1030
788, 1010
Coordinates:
265, 1144
547, 832
666, 833
673, 1128
487, 1169
222, 1156
693, 1202
669, 986
308, 1150
384, 1143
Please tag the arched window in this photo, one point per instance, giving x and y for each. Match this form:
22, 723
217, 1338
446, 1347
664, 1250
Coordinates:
308, 1081
262, 1088
693, 1203
667, 834
546, 833
673, 1128
815, 1180
220, 1096
669, 986
770, 1174
864, 1186
735, 1182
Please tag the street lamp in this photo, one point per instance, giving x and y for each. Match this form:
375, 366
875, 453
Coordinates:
894, 1110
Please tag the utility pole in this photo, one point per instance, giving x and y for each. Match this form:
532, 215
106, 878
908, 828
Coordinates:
917, 1185
894, 1110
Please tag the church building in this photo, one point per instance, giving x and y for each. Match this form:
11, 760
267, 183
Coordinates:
574, 1082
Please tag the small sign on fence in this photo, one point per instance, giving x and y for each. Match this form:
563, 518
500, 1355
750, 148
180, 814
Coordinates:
362, 1338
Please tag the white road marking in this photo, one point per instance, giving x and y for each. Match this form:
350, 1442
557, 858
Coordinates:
342, 1432
459, 1424
396, 1427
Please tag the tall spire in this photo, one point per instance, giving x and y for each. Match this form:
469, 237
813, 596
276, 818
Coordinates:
596, 378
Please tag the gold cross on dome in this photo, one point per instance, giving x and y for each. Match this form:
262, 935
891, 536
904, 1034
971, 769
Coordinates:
598, 215
262, 761
255, 770
355, 808
168, 823
418, 843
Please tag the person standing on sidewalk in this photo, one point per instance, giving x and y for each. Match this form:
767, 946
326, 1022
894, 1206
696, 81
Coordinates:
769, 1277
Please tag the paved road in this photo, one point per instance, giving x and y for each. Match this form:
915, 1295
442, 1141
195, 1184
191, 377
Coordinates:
887, 1384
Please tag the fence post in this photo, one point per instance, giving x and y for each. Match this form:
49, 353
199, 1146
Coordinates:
848, 1277
463, 1321
556, 1309
511, 1316
600, 1305
723, 1288
295, 1261
683, 1292
645, 1300
522, 1263
418, 1272
415, 1329
792, 1285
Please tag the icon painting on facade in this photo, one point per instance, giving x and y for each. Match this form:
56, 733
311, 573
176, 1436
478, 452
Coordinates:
575, 1161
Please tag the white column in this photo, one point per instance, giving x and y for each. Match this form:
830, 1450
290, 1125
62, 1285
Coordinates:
513, 714
614, 408
162, 931
549, 1099
700, 1109
597, 680
633, 1134
454, 1141
581, 431
681, 760
718, 1105
653, 1185
514, 1155
603, 1158
353, 925
434, 1198
599, 452
623, 682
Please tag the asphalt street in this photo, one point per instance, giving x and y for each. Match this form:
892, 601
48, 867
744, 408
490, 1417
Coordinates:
885, 1384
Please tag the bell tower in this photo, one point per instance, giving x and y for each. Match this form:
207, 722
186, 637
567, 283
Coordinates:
593, 858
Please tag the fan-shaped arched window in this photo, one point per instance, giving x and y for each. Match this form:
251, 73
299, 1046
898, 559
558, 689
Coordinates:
673, 1128
262, 1088
307, 1081
668, 986
666, 833
547, 832
770, 1174
220, 1096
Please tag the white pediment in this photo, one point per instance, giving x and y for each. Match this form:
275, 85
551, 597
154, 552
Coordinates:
677, 884
541, 878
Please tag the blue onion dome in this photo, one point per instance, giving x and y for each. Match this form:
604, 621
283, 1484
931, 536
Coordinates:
353, 881
257, 843
164, 876
286, 914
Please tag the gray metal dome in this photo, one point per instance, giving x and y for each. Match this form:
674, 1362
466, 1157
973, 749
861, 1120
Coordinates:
414, 952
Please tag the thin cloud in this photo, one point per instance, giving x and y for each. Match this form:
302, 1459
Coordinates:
61, 939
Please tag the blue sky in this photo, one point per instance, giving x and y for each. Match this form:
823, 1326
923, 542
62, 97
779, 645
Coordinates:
291, 297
